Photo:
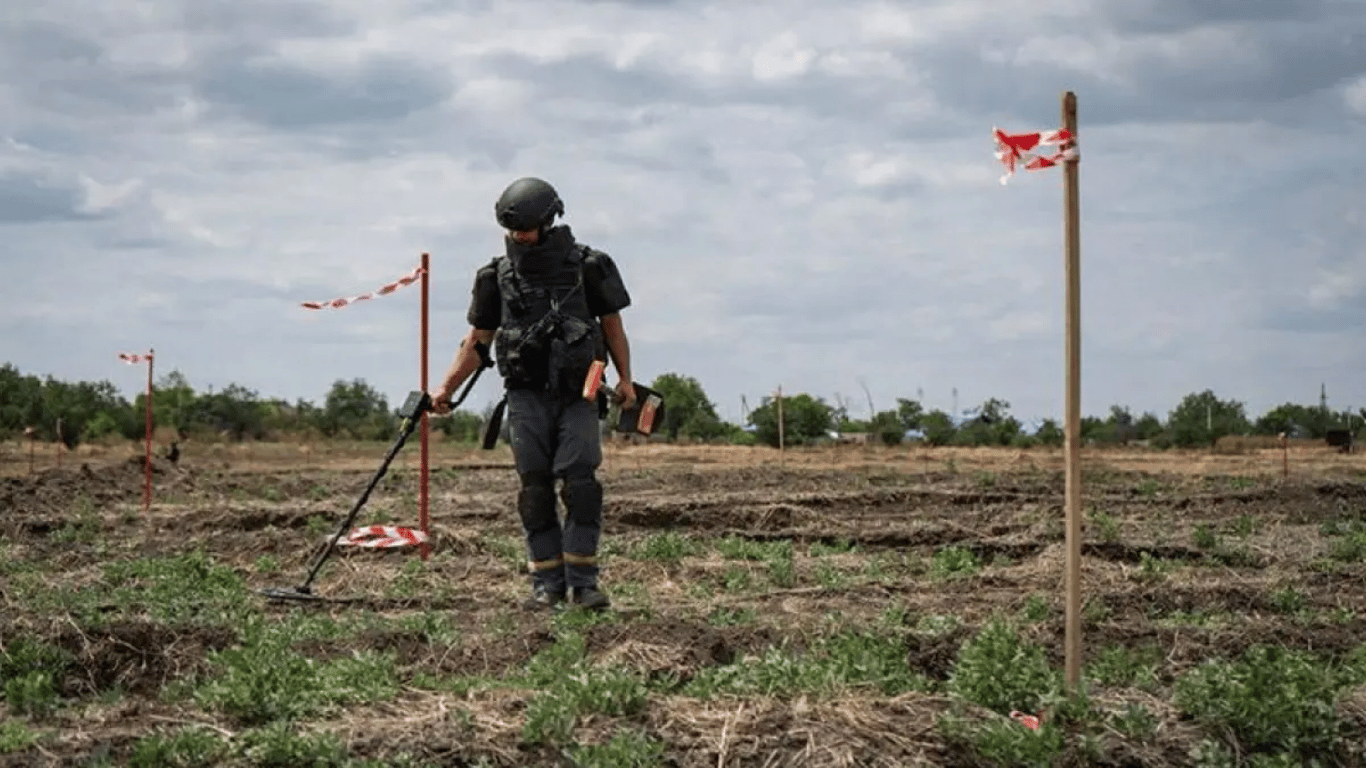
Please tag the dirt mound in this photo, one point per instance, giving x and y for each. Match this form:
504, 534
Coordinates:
55, 490
413, 649
934, 655
675, 646
135, 656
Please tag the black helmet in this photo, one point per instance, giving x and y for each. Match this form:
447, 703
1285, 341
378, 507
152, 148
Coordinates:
527, 204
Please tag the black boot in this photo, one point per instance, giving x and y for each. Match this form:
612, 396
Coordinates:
543, 598
591, 598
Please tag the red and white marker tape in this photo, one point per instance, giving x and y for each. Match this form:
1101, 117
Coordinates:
134, 359
385, 290
1017, 149
383, 537
1029, 721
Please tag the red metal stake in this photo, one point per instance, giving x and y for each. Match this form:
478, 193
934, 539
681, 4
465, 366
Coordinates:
422, 497
147, 461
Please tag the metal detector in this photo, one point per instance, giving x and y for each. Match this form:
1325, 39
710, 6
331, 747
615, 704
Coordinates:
412, 409
646, 415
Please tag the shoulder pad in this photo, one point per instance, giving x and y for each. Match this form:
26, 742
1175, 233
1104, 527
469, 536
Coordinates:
594, 258
590, 253
490, 269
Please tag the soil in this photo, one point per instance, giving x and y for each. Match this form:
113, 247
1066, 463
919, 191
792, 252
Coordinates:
895, 509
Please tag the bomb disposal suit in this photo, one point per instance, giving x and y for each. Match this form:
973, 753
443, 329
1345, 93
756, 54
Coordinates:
544, 301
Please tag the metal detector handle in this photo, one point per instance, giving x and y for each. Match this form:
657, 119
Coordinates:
464, 393
485, 361
417, 404
405, 430
488, 440
412, 409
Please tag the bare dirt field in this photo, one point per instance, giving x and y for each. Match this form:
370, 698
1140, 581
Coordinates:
861, 606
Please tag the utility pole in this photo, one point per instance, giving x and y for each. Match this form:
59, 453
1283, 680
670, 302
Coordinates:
869, 395
1323, 406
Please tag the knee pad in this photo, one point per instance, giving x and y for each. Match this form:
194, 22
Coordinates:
536, 501
582, 496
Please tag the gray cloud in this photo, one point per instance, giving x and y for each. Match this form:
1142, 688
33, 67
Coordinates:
285, 95
1288, 62
881, 100
63, 70
43, 43
1163, 61
589, 78
260, 21
838, 220
1345, 319
636, 3
28, 199
1164, 16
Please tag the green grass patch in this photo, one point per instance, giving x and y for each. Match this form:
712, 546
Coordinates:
953, 562
264, 679
668, 547
830, 665
1273, 700
16, 736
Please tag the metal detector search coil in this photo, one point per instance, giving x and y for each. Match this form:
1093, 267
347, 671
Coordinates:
379, 537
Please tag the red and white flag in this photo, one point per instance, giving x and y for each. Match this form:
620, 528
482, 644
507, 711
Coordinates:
384, 290
383, 537
133, 358
1020, 149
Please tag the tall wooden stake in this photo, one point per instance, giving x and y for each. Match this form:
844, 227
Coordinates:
422, 498
147, 461
1072, 228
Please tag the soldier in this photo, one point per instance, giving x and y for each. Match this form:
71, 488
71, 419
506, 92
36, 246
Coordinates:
553, 306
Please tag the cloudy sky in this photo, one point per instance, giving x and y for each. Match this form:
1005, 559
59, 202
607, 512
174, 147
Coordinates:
799, 193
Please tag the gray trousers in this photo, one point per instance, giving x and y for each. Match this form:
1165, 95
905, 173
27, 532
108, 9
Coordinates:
557, 437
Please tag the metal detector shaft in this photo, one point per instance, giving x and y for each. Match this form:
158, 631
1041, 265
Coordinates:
417, 404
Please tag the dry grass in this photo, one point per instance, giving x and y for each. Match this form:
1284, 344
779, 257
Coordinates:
1252, 458
1191, 555
843, 732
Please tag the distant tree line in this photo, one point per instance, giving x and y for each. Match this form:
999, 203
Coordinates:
353, 409
1201, 418
89, 411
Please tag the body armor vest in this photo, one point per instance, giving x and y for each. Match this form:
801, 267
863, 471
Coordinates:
548, 337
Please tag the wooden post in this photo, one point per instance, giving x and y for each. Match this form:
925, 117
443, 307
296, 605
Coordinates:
147, 460
1285, 455
1072, 231
61, 443
29, 433
422, 498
